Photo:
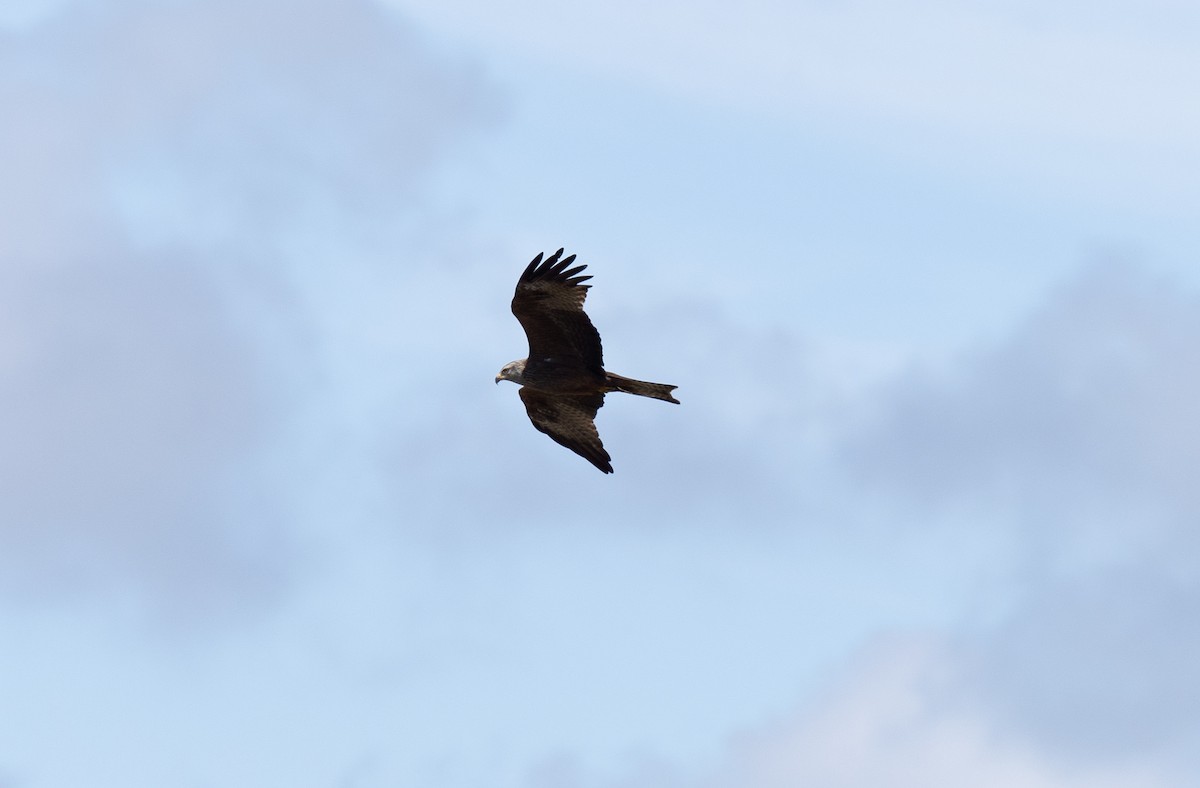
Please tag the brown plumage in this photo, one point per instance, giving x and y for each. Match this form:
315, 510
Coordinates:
563, 381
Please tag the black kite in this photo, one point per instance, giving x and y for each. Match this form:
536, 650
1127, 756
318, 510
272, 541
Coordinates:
563, 381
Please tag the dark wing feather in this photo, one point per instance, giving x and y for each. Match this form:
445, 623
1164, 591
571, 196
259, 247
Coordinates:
549, 303
569, 419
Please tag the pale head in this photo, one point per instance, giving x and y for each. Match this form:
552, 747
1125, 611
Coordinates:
514, 371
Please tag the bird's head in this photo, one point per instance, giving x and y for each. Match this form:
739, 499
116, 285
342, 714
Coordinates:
514, 371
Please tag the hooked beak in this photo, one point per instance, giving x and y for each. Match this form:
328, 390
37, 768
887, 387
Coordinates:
498, 379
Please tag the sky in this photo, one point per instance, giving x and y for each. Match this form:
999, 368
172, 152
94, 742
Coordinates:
927, 278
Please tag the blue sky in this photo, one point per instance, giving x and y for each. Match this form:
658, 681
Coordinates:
925, 275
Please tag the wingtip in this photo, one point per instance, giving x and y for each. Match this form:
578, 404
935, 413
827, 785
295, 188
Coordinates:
554, 268
533, 264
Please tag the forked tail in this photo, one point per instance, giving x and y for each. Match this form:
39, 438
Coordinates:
641, 388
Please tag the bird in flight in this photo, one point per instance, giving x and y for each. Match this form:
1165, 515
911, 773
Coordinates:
563, 381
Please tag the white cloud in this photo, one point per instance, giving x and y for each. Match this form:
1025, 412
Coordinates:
1097, 667
898, 719
133, 407
1088, 417
910, 710
1076, 433
1023, 79
179, 184
1071, 440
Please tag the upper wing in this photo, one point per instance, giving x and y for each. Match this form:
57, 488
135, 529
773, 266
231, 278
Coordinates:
570, 420
549, 304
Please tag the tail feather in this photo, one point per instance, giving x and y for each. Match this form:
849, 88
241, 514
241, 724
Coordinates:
641, 388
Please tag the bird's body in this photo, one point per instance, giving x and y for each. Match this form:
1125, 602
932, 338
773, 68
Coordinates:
563, 380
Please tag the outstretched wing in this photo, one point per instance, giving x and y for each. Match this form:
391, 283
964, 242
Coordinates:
549, 304
570, 420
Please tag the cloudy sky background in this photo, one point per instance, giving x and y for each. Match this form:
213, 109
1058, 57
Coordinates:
926, 276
